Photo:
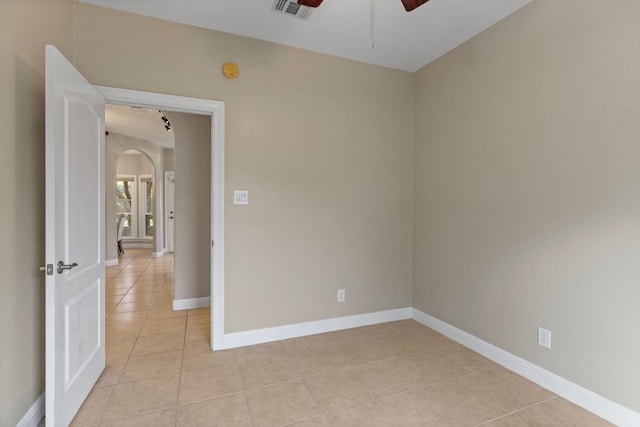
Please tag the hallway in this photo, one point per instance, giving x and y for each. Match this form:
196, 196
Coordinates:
162, 372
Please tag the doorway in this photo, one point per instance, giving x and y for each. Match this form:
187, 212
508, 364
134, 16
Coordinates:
138, 149
215, 110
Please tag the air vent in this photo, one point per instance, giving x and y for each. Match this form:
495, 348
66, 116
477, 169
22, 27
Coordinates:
292, 8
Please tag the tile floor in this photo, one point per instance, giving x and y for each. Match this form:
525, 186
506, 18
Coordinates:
161, 372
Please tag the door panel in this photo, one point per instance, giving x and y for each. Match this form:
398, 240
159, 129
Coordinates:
74, 175
82, 331
82, 211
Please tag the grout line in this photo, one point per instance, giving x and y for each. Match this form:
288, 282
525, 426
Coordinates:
235, 393
180, 376
100, 418
518, 410
246, 399
444, 381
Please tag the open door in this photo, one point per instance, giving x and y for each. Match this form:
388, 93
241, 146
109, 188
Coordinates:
169, 211
75, 341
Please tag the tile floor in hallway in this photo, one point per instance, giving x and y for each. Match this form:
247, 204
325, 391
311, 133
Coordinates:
162, 372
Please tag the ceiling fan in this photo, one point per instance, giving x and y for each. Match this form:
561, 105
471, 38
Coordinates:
409, 5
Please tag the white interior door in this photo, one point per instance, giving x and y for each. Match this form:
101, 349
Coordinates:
170, 208
75, 341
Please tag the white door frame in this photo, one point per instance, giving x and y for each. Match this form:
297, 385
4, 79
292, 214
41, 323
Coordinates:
215, 109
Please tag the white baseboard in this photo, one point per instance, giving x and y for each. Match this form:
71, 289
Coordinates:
111, 262
604, 408
34, 414
191, 303
259, 336
137, 244
157, 254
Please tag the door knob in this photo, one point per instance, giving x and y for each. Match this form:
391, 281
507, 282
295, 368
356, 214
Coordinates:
62, 266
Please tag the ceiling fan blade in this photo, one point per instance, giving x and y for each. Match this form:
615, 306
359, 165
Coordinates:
409, 5
310, 3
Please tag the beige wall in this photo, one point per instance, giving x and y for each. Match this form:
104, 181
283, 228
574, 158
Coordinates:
134, 164
527, 184
322, 144
25, 27
192, 205
168, 156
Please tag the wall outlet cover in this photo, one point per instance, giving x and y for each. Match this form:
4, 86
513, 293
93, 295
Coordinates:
544, 337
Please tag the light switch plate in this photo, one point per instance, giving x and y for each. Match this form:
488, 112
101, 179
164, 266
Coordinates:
240, 197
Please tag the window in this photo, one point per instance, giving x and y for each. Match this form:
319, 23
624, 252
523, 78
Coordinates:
134, 198
125, 199
146, 190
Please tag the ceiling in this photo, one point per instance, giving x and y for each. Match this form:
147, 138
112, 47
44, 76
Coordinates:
141, 123
401, 40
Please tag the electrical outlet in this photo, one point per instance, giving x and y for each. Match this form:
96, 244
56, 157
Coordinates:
342, 295
544, 337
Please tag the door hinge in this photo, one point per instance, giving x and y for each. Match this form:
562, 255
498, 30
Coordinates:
212, 243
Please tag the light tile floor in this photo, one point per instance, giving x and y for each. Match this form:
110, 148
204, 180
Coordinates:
161, 372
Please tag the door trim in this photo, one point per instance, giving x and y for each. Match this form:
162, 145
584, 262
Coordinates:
216, 110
